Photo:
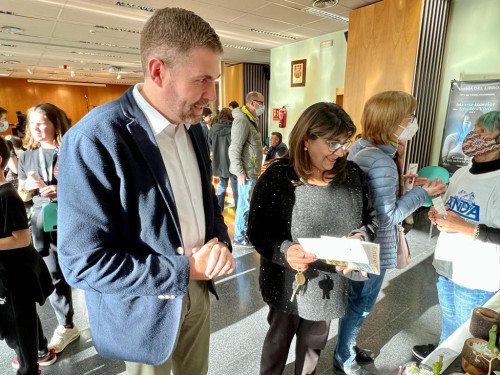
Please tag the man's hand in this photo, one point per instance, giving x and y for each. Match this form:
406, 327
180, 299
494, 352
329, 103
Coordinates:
242, 179
220, 262
211, 260
198, 262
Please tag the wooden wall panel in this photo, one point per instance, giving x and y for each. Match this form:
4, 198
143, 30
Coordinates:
381, 51
233, 85
18, 94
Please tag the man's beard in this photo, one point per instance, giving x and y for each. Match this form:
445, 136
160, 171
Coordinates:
190, 117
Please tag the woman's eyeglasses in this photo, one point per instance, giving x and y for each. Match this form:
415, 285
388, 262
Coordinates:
334, 145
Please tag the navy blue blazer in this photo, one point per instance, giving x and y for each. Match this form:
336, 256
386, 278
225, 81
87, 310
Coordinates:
119, 230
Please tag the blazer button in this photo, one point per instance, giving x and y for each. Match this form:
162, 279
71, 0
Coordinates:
179, 251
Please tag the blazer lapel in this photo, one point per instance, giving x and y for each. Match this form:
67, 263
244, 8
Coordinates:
146, 143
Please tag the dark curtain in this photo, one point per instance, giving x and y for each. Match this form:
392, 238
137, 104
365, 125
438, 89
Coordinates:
256, 78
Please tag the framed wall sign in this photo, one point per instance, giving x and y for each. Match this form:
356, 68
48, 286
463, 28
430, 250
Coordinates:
298, 73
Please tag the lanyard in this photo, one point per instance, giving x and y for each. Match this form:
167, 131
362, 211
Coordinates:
47, 173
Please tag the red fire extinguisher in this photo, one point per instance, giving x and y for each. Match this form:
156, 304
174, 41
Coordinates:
282, 117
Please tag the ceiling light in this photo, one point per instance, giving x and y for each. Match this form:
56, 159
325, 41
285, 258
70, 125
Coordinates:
12, 29
119, 76
117, 29
239, 47
5, 74
325, 3
66, 83
323, 14
135, 6
7, 45
72, 74
279, 35
29, 71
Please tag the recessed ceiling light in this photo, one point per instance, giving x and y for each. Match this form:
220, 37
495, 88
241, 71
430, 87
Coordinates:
279, 35
5, 74
135, 6
117, 29
239, 47
12, 29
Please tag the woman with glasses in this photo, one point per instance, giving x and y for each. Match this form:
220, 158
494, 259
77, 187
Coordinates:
387, 118
311, 191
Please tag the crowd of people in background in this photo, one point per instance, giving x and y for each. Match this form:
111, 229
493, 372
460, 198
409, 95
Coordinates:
136, 174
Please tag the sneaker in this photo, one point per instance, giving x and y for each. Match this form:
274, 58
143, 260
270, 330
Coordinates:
242, 243
353, 369
422, 351
364, 355
44, 360
62, 337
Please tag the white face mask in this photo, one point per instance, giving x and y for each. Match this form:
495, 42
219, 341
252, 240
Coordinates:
409, 131
4, 126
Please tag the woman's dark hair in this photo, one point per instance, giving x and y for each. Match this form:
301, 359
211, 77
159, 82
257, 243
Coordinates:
56, 116
226, 114
321, 120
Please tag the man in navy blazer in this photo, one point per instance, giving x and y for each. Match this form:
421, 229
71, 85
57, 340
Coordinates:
140, 228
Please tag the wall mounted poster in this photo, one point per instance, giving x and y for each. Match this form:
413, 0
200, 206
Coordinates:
467, 102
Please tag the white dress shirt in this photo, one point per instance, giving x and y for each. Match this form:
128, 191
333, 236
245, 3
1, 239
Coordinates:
183, 171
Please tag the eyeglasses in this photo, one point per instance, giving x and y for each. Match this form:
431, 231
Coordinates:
334, 146
258, 101
413, 116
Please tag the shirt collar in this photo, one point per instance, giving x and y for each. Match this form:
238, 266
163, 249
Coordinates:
245, 110
156, 120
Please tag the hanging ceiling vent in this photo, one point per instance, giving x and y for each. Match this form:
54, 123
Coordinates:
325, 3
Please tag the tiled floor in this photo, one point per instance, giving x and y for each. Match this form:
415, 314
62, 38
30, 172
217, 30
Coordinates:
406, 314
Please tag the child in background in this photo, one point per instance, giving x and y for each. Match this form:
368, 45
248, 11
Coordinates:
24, 280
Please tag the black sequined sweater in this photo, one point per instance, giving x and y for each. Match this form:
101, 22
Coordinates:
281, 212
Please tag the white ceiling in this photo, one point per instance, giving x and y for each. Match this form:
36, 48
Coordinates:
88, 37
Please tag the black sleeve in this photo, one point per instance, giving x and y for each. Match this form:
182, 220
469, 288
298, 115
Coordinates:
13, 215
268, 227
489, 234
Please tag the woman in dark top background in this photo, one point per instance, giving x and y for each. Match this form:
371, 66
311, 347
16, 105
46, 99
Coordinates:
38, 173
310, 192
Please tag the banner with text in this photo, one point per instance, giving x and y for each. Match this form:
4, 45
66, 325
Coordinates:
467, 102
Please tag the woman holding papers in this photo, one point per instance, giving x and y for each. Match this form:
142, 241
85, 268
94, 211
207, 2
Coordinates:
310, 192
388, 117
467, 256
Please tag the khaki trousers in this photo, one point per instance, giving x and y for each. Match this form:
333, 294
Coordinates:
190, 354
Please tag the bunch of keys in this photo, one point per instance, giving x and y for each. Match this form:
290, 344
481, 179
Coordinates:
300, 279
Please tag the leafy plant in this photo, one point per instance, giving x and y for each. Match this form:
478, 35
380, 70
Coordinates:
437, 366
493, 339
